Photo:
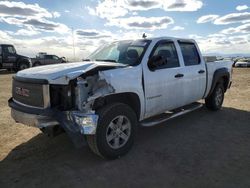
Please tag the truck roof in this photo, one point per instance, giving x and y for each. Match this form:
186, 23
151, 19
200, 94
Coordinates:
6, 45
171, 38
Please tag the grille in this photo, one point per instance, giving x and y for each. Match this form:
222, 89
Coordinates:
28, 93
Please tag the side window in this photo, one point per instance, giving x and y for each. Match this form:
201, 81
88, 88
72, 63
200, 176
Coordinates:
0, 50
190, 54
55, 57
11, 50
48, 57
169, 55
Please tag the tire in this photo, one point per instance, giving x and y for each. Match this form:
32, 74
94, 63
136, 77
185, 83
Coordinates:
109, 142
215, 100
36, 64
23, 65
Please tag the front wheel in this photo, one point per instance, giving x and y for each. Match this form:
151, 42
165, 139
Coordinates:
115, 132
215, 100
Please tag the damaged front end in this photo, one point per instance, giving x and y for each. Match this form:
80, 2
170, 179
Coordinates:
87, 90
70, 106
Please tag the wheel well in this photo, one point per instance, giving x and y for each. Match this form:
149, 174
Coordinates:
225, 82
23, 61
131, 99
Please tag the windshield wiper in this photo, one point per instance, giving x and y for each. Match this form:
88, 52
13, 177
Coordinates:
86, 60
107, 60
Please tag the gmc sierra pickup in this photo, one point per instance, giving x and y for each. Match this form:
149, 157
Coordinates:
120, 86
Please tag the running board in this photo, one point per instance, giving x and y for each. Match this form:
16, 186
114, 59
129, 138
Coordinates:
170, 114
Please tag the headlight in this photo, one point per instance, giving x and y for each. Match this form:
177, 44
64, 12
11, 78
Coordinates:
86, 122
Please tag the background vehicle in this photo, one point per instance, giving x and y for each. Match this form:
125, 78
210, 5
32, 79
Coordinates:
124, 83
243, 63
45, 59
9, 59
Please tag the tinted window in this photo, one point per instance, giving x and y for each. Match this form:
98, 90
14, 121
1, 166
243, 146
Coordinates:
48, 57
11, 50
169, 55
0, 50
190, 54
55, 57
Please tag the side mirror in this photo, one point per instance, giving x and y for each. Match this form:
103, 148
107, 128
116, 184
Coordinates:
155, 61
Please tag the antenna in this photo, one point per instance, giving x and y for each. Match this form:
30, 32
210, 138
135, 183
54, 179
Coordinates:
144, 35
73, 42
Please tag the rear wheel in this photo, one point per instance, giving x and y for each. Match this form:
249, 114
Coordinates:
115, 132
23, 65
215, 100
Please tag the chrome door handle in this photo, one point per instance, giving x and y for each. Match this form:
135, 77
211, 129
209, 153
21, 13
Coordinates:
201, 71
179, 75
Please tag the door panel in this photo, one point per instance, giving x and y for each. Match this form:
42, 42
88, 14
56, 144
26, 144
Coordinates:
163, 88
195, 73
9, 56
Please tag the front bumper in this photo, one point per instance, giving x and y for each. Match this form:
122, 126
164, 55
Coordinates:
32, 119
70, 121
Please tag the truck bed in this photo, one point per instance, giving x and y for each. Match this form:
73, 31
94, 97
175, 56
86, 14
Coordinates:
212, 67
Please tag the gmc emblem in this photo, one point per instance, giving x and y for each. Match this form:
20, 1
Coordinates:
22, 91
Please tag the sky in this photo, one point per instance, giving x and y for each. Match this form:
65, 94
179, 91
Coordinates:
55, 26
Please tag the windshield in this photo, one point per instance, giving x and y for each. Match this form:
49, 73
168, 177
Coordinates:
125, 52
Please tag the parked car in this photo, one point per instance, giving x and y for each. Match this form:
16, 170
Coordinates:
10, 60
121, 85
243, 63
47, 60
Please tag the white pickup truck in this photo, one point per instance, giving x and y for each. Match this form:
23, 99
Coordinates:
120, 86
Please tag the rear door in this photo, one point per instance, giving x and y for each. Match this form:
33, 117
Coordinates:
164, 84
195, 72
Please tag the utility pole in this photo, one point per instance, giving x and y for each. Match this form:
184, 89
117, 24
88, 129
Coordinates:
73, 42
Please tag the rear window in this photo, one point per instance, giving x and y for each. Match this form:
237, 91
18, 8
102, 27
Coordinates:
190, 53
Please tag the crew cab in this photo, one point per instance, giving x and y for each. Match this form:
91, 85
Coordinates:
47, 60
10, 60
121, 85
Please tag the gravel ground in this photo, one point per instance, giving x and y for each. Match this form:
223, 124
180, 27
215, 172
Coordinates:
199, 149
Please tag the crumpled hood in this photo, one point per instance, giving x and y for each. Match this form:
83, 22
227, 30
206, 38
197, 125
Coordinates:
64, 72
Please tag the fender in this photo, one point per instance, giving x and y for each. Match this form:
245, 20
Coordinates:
129, 98
219, 74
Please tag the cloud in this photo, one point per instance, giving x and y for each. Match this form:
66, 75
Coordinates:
242, 7
233, 18
151, 23
207, 18
38, 24
92, 34
245, 28
24, 32
223, 43
122, 7
20, 9
56, 14
30, 16
177, 28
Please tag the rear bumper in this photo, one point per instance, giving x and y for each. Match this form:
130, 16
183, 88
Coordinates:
70, 121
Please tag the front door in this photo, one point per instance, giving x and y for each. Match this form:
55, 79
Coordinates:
163, 84
9, 56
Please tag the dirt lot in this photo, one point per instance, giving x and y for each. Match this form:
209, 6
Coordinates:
200, 149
